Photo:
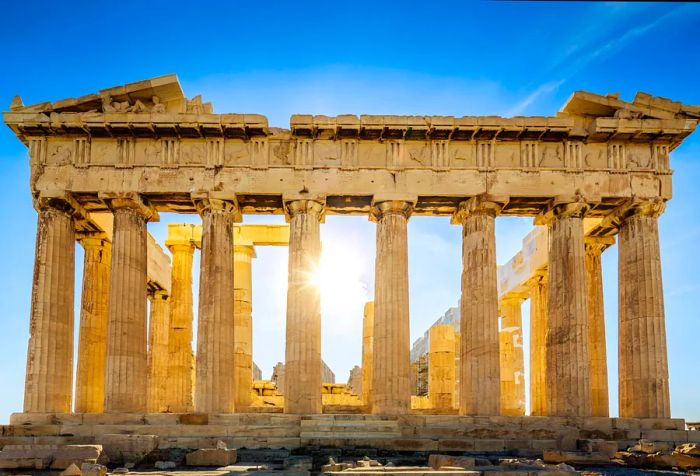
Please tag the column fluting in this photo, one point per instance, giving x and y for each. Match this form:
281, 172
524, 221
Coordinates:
538, 343
511, 357
243, 324
158, 358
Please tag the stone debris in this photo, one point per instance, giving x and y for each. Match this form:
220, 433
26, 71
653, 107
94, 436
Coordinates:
667, 456
93, 469
298, 463
121, 471
71, 470
650, 447
47, 456
441, 461
576, 458
692, 449
219, 456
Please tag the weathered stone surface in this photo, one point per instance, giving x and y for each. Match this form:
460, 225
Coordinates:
649, 446
90, 469
127, 448
441, 461
692, 449
598, 446
165, 465
577, 458
211, 457
71, 470
674, 460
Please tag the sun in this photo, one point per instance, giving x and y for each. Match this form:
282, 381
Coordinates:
339, 277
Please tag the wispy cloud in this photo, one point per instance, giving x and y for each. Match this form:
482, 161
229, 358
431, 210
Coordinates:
545, 88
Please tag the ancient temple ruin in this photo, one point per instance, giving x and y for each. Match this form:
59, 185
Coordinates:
106, 164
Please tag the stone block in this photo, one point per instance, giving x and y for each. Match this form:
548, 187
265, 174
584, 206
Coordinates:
114, 418
441, 461
598, 446
165, 465
489, 445
298, 463
48, 456
577, 458
693, 436
677, 436
661, 424
127, 448
90, 469
544, 444
211, 457
161, 418
456, 445
194, 419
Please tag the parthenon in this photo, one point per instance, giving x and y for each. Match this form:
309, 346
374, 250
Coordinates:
105, 165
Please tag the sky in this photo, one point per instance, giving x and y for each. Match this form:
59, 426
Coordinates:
428, 58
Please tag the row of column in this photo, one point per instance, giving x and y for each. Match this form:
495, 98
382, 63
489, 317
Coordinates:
567, 316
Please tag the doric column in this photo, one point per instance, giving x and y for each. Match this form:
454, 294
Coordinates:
126, 367
391, 390
302, 393
158, 358
568, 376
243, 325
367, 360
511, 357
441, 367
92, 343
49, 379
180, 357
597, 355
215, 333
643, 361
538, 343
480, 375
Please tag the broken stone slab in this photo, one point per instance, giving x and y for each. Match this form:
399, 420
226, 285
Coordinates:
441, 461
122, 449
598, 446
335, 467
675, 460
71, 470
576, 458
93, 469
649, 446
121, 471
692, 449
211, 457
47, 456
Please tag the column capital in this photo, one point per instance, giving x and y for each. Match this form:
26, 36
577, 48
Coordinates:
161, 294
130, 201
634, 207
65, 203
96, 239
211, 202
539, 277
563, 207
390, 207
595, 245
244, 249
484, 204
513, 298
296, 206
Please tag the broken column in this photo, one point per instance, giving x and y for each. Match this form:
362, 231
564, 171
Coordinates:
568, 377
92, 343
215, 332
126, 361
480, 376
181, 359
643, 360
49, 378
391, 391
158, 358
538, 343
441, 368
367, 364
597, 354
302, 392
243, 324
511, 356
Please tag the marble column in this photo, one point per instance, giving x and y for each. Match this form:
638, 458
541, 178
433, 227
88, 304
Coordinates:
302, 393
480, 376
441, 367
215, 331
243, 324
538, 344
367, 360
643, 360
180, 357
49, 378
391, 385
568, 376
511, 357
597, 356
158, 358
126, 365
92, 343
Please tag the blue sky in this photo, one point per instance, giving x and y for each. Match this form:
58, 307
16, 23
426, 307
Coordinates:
279, 58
